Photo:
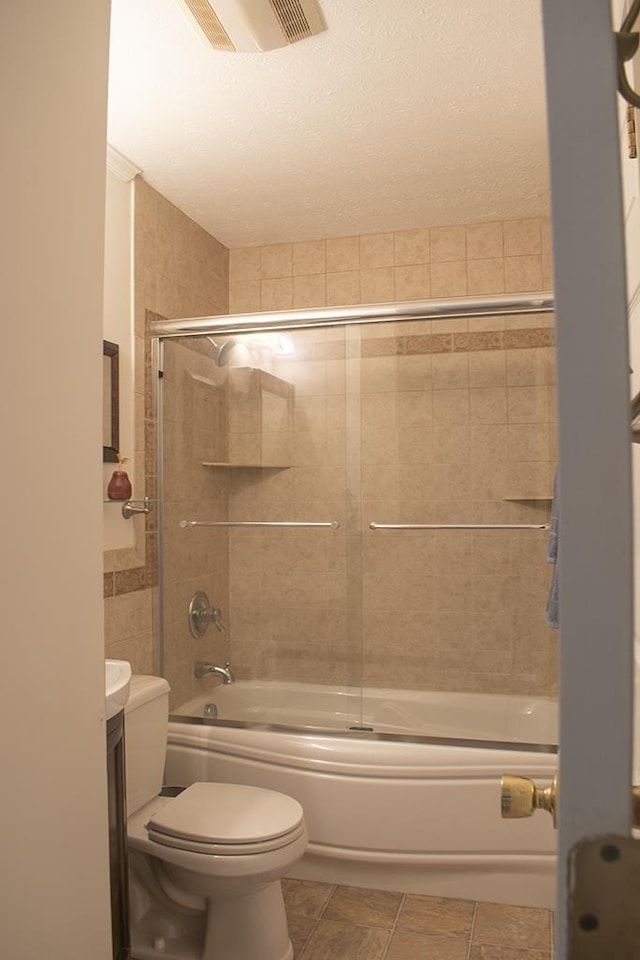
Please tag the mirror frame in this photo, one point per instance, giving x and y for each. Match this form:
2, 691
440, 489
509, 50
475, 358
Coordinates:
110, 453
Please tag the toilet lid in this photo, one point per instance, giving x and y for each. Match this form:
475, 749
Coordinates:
233, 850
219, 813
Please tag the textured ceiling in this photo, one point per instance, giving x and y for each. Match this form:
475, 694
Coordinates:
402, 114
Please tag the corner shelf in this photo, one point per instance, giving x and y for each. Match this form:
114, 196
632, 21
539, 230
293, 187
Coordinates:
530, 499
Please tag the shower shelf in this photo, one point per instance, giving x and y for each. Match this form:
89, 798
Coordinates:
246, 466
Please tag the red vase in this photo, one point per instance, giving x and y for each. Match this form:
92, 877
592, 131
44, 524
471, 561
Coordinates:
119, 486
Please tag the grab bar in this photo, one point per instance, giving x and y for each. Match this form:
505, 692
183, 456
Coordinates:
334, 524
459, 526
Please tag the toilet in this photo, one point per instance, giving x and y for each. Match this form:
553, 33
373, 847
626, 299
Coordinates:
204, 865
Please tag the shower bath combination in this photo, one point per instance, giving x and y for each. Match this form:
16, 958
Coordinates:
365, 492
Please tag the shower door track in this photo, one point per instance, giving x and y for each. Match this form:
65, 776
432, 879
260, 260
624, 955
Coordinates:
367, 733
443, 309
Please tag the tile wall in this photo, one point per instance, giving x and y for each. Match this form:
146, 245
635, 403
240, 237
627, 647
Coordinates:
433, 422
442, 421
180, 270
486, 258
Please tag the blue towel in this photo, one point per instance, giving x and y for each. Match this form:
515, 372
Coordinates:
553, 604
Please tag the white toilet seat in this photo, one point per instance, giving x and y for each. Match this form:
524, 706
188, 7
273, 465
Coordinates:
226, 849
224, 819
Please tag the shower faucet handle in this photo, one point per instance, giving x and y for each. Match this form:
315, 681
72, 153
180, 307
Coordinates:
214, 616
216, 619
201, 614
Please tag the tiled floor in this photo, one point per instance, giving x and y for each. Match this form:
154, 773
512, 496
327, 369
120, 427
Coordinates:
328, 922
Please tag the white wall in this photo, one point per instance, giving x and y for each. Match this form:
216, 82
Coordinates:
118, 328
54, 900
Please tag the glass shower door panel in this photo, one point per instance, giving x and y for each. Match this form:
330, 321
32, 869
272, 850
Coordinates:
457, 431
192, 429
289, 582
266, 512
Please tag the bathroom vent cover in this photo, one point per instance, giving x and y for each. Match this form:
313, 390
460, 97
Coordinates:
252, 26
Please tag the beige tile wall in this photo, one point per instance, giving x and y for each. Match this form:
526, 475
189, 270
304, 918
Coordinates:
440, 423
458, 610
486, 258
179, 271
461, 420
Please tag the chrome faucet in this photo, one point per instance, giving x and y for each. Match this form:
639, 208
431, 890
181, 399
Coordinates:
203, 669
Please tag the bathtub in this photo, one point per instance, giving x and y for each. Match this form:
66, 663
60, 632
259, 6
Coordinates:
411, 805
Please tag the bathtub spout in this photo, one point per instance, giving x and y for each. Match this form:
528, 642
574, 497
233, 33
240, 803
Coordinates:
203, 669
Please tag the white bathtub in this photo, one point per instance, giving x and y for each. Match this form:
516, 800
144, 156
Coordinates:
474, 716
388, 809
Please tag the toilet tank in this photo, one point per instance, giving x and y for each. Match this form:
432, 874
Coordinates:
145, 729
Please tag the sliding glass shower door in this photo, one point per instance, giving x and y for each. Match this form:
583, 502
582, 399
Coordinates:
367, 506
457, 460
259, 508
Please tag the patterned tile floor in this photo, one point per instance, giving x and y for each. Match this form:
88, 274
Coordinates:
329, 922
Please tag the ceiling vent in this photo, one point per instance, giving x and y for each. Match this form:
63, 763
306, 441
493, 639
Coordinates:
252, 26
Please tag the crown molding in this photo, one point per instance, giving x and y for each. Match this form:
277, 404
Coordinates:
120, 166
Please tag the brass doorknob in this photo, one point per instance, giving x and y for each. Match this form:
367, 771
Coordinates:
520, 797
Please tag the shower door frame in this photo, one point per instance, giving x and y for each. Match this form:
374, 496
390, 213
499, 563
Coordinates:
317, 317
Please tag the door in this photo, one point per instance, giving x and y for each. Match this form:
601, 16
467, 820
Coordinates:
596, 582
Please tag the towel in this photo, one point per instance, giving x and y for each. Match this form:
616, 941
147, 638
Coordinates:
553, 606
